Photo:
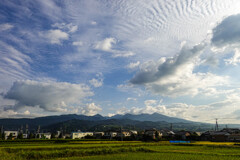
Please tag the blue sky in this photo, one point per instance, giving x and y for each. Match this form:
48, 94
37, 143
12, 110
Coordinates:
178, 58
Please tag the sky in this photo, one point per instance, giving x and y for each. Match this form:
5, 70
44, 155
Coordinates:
108, 57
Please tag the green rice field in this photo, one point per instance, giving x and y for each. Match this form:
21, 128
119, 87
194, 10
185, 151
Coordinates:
109, 150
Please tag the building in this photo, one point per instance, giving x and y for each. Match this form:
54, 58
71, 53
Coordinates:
79, 135
98, 135
133, 132
234, 137
66, 136
110, 134
58, 134
153, 133
11, 134
183, 135
124, 134
167, 134
43, 135
220, 136
231, 130
25, 136
206, 136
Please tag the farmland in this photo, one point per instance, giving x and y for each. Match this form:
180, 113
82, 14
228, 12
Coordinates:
89, 150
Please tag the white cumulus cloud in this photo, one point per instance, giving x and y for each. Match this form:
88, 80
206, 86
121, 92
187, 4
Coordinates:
235, 59
107, 46
133, 65
175, 76
225, 110
91, 109
227, 32
49, 96
98, 81
55, 36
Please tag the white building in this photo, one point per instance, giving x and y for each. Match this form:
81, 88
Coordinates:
44, 135
133, 132
124, 134
110, 134
25, 136
13, 133
80, 135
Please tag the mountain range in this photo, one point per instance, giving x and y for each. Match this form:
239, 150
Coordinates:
73, 122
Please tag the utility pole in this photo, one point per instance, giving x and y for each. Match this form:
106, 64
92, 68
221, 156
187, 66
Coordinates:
26, 128
216, 126
121, 134
21, 130
38, 130
2, 129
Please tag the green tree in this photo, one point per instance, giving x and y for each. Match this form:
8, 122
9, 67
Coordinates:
43, 136
60, 135
10, 136
157, 136
3, 136
52, 135
31, 136
20, 136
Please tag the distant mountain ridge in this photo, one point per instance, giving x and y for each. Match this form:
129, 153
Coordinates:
141, 119
155, 117
14, 123
73, 122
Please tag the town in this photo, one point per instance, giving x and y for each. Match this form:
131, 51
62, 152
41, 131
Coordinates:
153, 134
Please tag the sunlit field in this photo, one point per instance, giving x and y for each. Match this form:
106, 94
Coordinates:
72, 149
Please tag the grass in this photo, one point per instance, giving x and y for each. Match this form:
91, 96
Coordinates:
72, 149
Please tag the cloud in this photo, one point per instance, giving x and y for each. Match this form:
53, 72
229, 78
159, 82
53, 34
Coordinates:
67, 27
131, 99
235, 59
130, 88
77, 43
6, 26
226, 37
98, 81
150, 102
168, 66
149, 109
27, 112
14, 65
162, 30
211, 60
122, 54
175, 76
107, 46
227, 32
93, 23
133, 65
226, 110
15, 114
91, 109
55, 36
49, 96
